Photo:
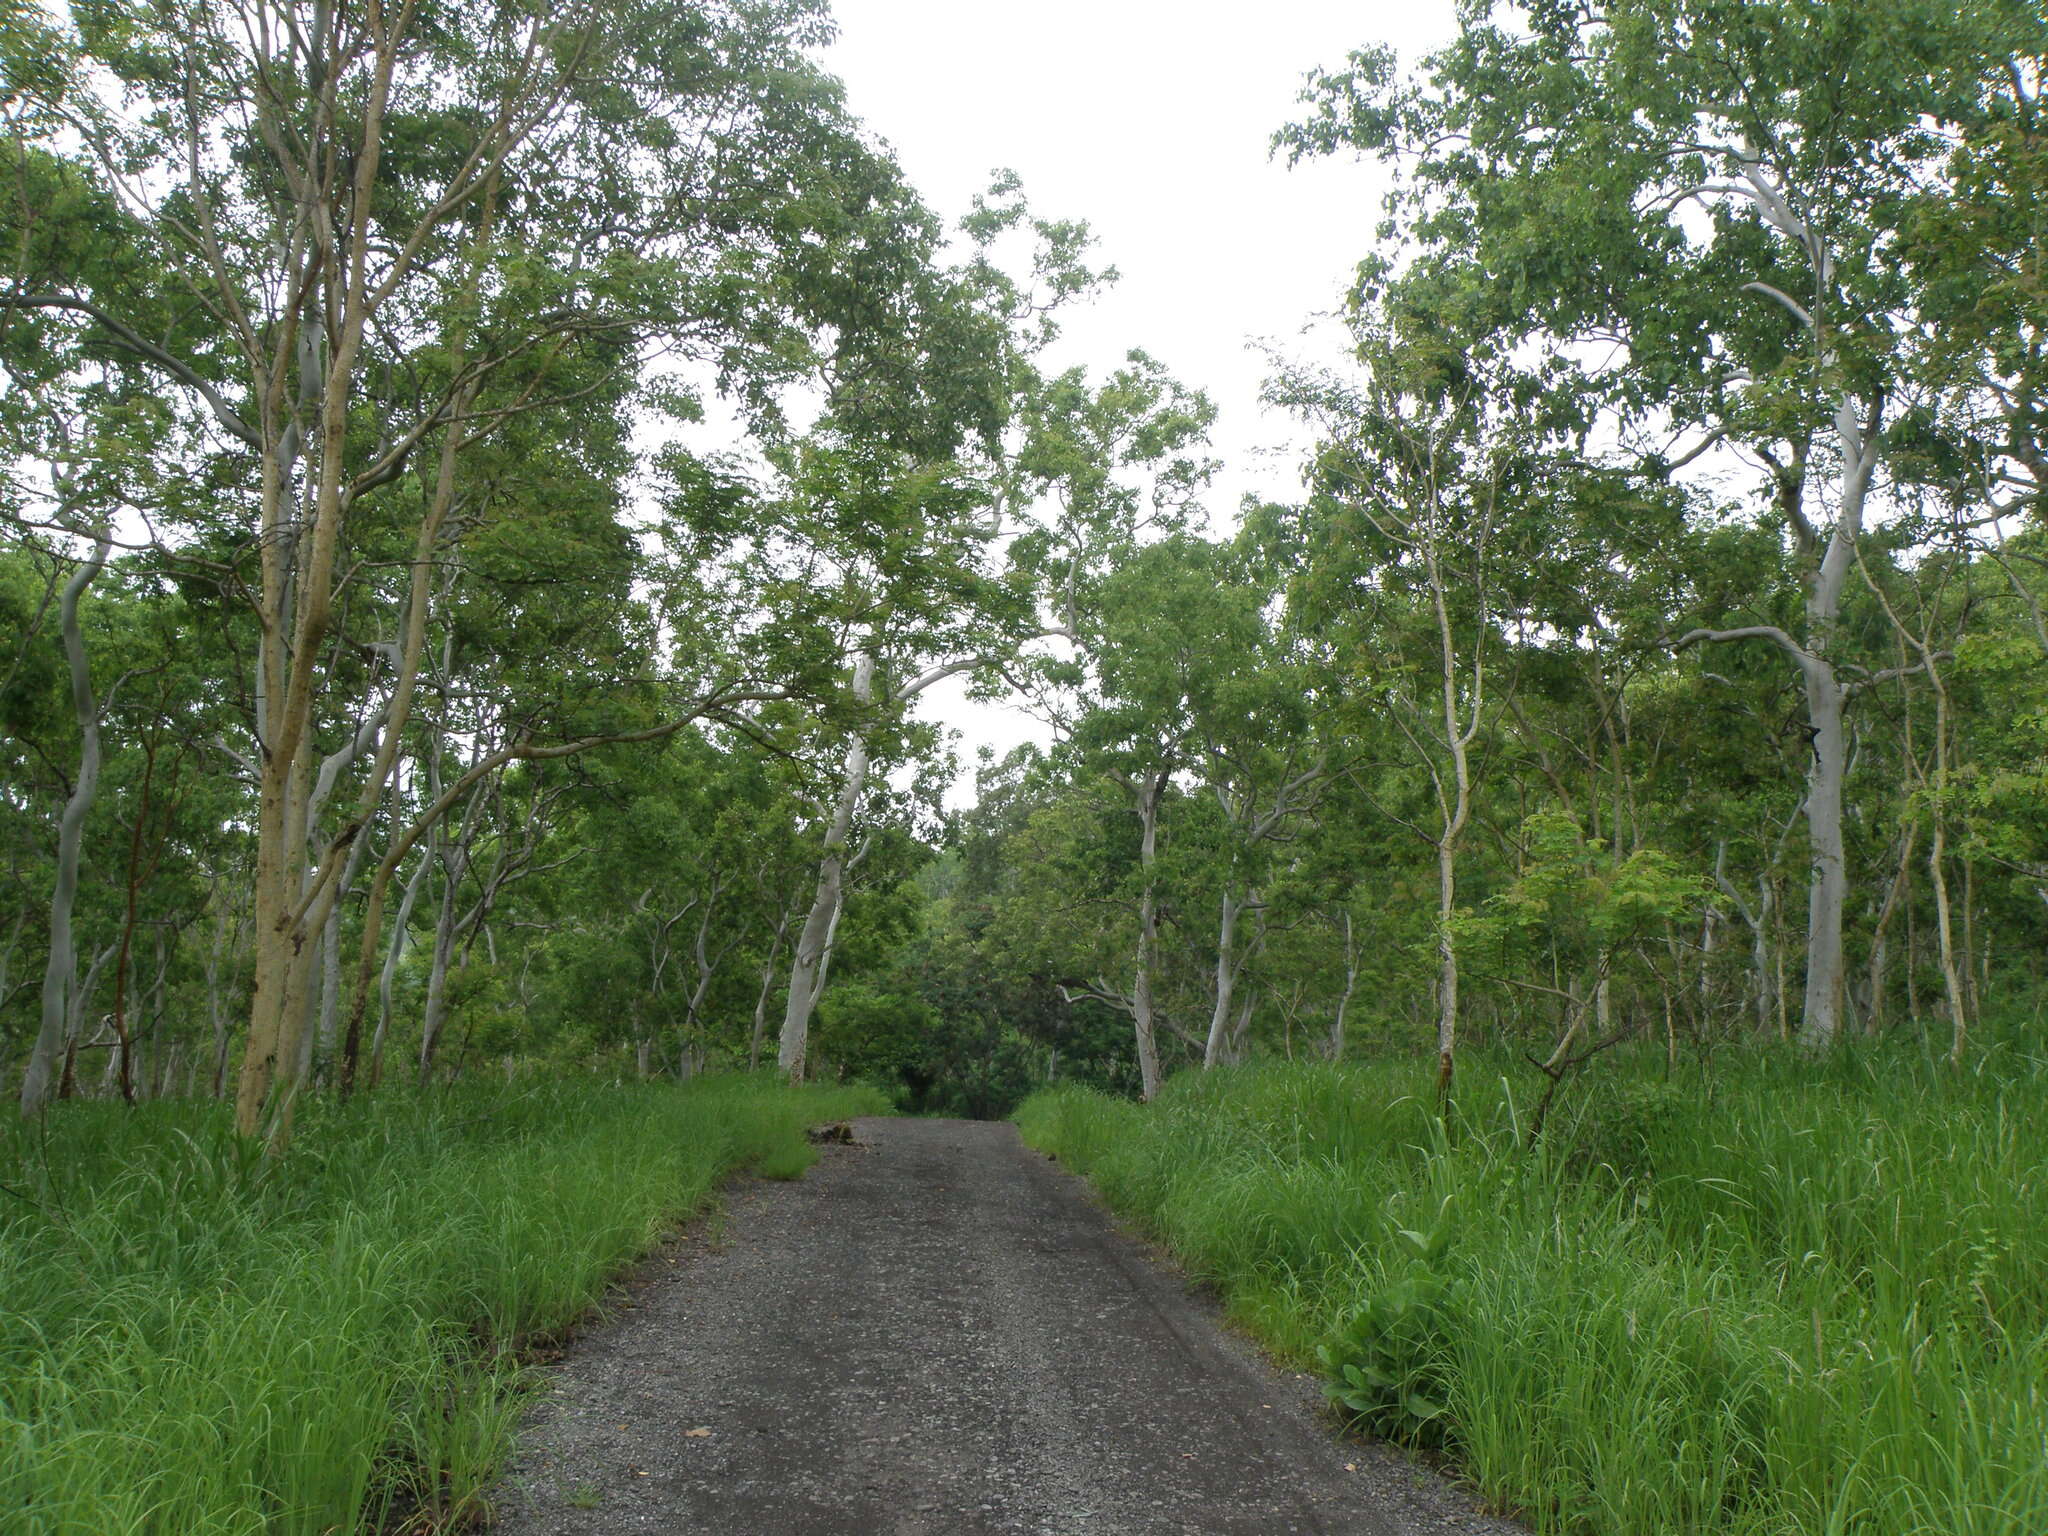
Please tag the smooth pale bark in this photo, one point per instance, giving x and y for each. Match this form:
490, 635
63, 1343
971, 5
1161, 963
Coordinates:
1249, 827
289, 647
61, 988
226, 939
1829, 565
1456, 811
708, 958
1937, 872
1227, 966
1227, 1032
1757, 920
435, 1013
74, 1026
404, 841
453, 856
1146, 791
1240, 1028
1149, 789
1336, 1045
767, 989
1710, 942
1828, 890
1880, 939
401, 934
809, 960
1937, 861
329, 245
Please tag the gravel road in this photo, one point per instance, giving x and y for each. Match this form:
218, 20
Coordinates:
938, 1333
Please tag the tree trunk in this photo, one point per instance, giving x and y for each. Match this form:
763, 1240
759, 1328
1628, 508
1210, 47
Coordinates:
1226, 978
813, 944
1937, 868
760, 1032
1350, 986
1458, 737
1150, 789
1880, 950
218, 958
387, 976
1828, 891
436, 1012
60, 972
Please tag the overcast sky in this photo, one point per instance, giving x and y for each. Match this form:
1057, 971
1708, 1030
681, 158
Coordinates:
1150, 120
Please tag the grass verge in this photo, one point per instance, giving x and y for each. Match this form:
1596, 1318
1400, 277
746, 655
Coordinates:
196, 1342
1766, 1299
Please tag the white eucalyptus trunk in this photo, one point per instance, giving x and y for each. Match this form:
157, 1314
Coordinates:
767, 989
812, 953
1150, 788
1226, 978
1828, 890
1336, 1046
436, 1011
401, 933
60, 972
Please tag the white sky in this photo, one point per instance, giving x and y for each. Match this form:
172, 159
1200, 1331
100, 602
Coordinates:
1149, 120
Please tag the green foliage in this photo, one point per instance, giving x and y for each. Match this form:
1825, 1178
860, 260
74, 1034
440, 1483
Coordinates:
1780, 1298
199, 1339
1388, 1366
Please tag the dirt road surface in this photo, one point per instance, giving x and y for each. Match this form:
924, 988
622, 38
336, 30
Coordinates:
938, 1333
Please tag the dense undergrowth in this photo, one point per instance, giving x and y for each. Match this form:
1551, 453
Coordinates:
197, 1342
1765, 1296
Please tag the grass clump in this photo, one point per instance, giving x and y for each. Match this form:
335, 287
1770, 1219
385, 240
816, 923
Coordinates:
1766, 1299
199, 1342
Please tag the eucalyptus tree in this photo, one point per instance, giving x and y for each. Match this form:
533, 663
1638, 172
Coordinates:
387, 234
1165, 629
1680, 220
1264, 760
948, 540
1414, 561
81, 448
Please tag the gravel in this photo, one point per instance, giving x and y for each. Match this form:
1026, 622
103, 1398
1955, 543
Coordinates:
938, 1331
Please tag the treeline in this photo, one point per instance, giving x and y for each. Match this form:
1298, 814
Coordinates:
1655, 650
392, 638
1659, 648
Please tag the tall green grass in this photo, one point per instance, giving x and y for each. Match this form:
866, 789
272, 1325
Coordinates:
1773, 1297
197, 1342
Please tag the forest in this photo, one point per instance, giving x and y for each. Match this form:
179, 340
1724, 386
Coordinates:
491, 490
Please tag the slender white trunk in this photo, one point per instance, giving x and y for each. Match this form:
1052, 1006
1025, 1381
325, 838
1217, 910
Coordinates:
760, 1032
1226, 977
1149, 790
436, 1011
1937, 870
1446, 965
813, 943
1350, 986
60, 972
1937, 865
1880, 942
1460, 811
401, 933
1828, 890
219, 956
321, 1040
1456, 808
1241, 1026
